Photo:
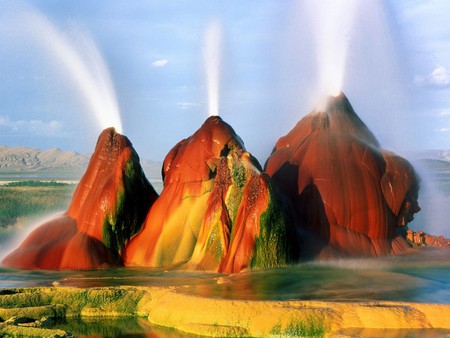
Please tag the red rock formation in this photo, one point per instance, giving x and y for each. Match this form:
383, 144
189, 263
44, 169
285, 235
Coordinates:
107, 208
348, 196
216, 210
420, 238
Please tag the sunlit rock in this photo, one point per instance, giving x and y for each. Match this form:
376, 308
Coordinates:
107, 209
217, 211
348, 196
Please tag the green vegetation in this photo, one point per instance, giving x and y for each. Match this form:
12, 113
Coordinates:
34, 183
35, 312
27, 331
113, 227
236, 193
112, 302
53, 306
308, 327
25, 199
272, 246
238, 174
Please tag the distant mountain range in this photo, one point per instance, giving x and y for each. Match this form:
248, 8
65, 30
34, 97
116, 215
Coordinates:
22, 158
30, 163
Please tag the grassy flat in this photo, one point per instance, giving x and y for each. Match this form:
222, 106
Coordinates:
26, 199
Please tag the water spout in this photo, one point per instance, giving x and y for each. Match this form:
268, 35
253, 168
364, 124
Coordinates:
212, 57
84, 66
332, 37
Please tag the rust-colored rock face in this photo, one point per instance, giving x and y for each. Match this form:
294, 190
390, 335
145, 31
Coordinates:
107, 208
216, 211
348, 196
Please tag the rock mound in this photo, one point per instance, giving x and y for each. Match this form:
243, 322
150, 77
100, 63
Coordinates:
217, 211
107, 209
348, 196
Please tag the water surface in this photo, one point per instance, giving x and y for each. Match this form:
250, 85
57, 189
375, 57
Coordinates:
422, 277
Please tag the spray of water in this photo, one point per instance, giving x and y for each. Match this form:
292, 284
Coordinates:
83, 66
17, 234
332, 36
212, 57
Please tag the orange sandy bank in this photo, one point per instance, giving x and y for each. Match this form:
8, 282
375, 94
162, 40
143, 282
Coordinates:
170, 307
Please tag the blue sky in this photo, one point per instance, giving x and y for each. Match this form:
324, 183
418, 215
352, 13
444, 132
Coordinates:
397, 73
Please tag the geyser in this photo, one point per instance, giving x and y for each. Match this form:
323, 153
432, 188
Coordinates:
107, 209
83, 65
332, 25
348, 196
212, 58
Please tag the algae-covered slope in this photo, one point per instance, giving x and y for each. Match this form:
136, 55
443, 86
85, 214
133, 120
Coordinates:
217, 211
348, 196
107, 208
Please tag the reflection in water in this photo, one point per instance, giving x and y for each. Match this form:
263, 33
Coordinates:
420, 277
117, 327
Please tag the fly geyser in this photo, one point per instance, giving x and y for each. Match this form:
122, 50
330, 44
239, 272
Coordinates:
217, 211
107, 208
329, 191
348, 197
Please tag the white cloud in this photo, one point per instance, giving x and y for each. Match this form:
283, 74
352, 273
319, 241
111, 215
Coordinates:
439, 77
442, 130
160, 63
35, 127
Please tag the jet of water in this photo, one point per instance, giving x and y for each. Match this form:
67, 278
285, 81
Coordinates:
331, 33
84, 66
212, 57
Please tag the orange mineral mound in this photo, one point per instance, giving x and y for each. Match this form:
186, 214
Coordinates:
107, 208
217, 211
348, 196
